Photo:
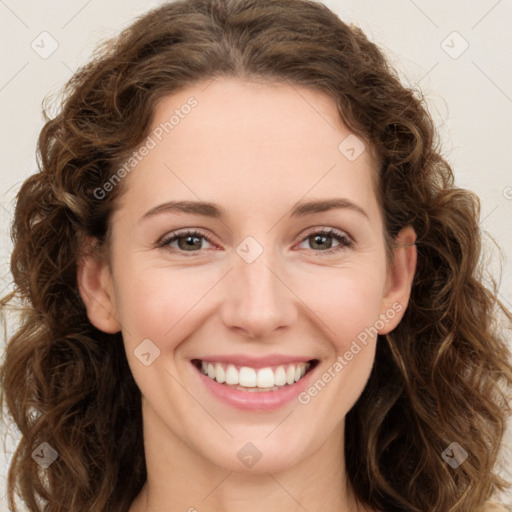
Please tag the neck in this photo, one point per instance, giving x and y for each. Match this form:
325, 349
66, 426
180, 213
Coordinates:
181, 480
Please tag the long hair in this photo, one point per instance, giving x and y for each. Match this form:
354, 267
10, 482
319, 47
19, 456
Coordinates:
442, 376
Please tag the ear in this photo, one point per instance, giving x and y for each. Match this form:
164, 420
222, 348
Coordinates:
94, 280
399, 279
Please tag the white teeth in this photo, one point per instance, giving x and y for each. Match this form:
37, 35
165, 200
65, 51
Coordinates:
231, 375
280, 376
262, 379
247, 377
265, 378
220, 374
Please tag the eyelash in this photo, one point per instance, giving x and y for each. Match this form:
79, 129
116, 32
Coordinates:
344, 241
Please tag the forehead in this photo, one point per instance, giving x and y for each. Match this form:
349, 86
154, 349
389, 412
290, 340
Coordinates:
242, 140
260, 113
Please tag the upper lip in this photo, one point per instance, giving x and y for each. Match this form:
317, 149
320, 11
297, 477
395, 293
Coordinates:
255, 362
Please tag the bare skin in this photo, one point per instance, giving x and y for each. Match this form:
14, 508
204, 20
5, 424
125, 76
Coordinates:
256, 150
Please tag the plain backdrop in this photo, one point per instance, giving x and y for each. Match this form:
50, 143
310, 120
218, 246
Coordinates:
457, 52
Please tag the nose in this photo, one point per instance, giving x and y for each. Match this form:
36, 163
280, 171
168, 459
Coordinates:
258, 302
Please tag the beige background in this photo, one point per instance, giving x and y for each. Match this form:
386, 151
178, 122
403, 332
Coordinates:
469, 92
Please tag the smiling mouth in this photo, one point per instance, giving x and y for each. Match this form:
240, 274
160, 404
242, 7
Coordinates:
245, 378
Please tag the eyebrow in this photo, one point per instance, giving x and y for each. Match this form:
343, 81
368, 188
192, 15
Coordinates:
213, 210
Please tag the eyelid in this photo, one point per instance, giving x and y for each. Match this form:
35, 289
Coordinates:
328, 231
345, 241
165, 239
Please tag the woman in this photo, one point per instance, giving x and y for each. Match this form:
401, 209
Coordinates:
250, 282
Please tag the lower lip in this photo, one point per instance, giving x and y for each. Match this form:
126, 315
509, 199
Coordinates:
255, 400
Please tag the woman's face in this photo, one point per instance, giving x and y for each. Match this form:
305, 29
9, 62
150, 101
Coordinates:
285, 271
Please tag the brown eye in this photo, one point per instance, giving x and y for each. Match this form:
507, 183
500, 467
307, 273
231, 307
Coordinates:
320, 241
186, 241
327, 241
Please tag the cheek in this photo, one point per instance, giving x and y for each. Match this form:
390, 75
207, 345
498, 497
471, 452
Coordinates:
345, 301
158, 310
159, 303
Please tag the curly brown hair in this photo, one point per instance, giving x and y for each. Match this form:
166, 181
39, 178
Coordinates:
442, 375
